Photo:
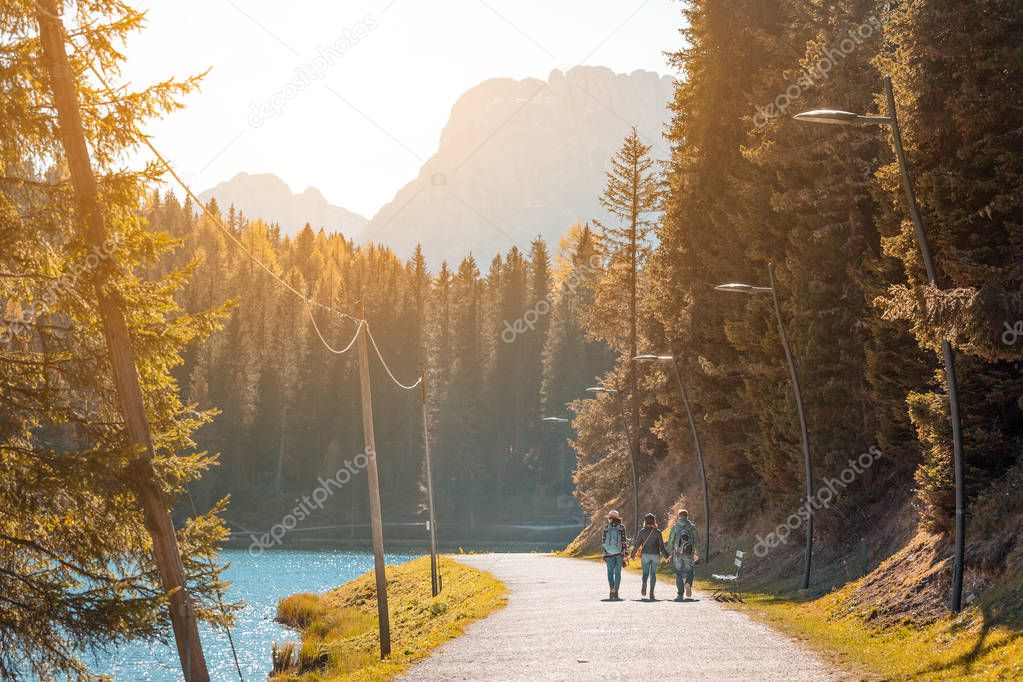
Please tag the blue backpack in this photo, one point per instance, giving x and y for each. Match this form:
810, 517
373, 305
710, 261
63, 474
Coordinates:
613, 538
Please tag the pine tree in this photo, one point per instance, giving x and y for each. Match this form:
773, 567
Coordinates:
572, 361
632, 198
699, 245
957, 94
530, 380
806, 203
76, 569
460, 470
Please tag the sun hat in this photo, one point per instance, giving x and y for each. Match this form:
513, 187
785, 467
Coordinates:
613, 514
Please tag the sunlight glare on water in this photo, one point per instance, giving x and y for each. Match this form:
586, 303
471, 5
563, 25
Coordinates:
260, 582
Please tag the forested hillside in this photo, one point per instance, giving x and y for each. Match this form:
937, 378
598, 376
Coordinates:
499, 344
747, 186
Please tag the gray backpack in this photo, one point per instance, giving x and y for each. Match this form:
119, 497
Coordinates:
682, 551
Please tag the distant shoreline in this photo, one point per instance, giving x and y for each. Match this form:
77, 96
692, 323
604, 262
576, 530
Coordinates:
404, 546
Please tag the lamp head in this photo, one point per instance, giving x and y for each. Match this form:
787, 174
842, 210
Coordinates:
830, 116
839, 117
735, 288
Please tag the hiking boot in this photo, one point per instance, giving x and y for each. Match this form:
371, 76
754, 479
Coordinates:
643, 591
689, 591
612, 594
652, 597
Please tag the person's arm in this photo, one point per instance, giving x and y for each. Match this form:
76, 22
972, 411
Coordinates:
662, 548
671, 536
639, 543
696, 543
625, 543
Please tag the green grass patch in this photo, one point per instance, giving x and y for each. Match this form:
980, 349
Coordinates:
339, 628
983, 643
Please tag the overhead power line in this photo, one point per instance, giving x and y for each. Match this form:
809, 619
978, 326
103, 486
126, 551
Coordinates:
266, 268
111, 93
355, 337
408, 387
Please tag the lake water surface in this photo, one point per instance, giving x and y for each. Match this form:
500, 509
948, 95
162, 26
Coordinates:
259, 582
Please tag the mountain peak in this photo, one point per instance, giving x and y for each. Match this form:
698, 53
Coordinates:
266, 196
521, 158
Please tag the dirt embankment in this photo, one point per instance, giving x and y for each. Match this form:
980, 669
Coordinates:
896, 573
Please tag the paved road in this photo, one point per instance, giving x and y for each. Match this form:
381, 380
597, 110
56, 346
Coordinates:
558, 626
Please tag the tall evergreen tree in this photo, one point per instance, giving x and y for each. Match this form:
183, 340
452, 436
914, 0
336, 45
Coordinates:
699, 245
572, 360
958, 98
632, 198
76, 565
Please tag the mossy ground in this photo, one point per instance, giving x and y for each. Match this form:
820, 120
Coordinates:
984, 642
339, 628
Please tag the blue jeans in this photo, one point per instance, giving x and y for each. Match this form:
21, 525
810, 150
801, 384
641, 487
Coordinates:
650, 562
684, 576
614, 570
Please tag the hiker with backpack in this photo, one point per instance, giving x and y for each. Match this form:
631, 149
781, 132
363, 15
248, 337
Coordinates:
651, 548
615, 546
682, 541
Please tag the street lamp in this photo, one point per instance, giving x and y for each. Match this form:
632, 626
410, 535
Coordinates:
805, 440
696, 441
849, 118
632, 447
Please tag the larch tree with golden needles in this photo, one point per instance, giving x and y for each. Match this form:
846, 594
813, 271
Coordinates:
632, 198
76, 569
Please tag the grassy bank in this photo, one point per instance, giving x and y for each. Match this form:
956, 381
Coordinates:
985, 642
339, 628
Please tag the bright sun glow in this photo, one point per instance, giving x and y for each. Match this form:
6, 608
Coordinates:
376, 78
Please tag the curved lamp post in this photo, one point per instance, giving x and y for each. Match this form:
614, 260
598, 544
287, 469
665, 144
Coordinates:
804, 438
696, 441
632, 447
836, 117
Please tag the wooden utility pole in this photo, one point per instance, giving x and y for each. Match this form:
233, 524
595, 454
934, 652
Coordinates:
429, 484
374, 487
122, 361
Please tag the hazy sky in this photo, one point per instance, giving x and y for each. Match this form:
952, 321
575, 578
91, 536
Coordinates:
349, 96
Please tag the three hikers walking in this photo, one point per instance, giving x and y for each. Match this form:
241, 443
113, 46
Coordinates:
650, 546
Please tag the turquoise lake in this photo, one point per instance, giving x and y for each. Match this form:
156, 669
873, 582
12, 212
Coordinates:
258, 581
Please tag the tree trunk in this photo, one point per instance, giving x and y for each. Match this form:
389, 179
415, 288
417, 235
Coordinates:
122, 361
